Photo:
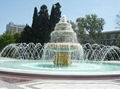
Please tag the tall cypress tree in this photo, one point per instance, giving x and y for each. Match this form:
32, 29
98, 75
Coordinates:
35, 26
55, 16
35, 19
43, 33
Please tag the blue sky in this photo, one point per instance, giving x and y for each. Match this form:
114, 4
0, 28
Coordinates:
21, 11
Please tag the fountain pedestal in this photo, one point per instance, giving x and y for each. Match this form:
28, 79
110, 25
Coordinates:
62, 59
63, 52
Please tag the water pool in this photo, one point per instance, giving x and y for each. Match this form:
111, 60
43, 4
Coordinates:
41, 67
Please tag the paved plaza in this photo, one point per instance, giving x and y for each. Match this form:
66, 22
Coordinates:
16, 82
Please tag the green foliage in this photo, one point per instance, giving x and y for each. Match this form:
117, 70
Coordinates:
17, 37
81, 25
42, 25
74, 26
6, 39
43, 33
35, 21
26, 35
118, 45
55, 15
91, 24
94, 24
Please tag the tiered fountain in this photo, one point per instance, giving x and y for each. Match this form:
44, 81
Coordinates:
63, 45
62, 56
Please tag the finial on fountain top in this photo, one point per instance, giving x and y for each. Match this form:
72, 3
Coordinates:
63, 19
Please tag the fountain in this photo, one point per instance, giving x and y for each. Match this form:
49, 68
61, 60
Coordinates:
62, 56
63, 44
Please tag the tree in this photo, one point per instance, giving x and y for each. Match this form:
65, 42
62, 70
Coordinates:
74, 26
17, 37
26, 35
44, 29
81, 25
29, 33
35, 21
6, 39
42, 25
35, 26
92, 24
55, 16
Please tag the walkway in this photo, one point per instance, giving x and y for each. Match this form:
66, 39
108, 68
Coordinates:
16, 82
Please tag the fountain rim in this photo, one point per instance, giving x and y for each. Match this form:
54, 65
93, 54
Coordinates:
58, 74
64, 44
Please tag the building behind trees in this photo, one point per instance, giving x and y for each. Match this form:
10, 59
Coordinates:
12, 28
109, 38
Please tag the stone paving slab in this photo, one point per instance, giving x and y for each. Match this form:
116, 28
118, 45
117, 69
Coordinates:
71, 84
63, 84
22, 82
5, 85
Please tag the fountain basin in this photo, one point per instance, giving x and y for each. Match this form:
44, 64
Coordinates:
46, 68
63, 47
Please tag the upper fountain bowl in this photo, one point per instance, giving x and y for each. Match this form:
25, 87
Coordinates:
63, 24
63, 33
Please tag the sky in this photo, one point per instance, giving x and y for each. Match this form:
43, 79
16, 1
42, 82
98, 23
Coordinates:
21, 11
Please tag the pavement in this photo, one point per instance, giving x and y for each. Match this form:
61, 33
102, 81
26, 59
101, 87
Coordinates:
24, 82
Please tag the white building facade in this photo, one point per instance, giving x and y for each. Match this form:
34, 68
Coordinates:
12, 28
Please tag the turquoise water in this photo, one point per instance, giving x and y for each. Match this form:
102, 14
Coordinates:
49, 66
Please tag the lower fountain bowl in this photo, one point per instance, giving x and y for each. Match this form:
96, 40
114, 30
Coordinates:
46, 68
63, 47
